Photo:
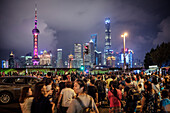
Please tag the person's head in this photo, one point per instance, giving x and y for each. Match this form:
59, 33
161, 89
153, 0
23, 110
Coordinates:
154, 80
68, 84
148, 86
113, 84
140, 85
128, 80
40, 90
165, 93
48, 81
49, 74
80, 86
25, 93
92, 81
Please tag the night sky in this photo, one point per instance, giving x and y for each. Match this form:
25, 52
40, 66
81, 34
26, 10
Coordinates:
65, 22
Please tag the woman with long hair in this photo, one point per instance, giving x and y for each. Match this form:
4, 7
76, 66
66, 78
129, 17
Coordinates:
41, 103
148, 99
115, 97
83, 99
25, 100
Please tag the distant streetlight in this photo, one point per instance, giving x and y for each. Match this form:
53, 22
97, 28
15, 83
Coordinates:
124, 36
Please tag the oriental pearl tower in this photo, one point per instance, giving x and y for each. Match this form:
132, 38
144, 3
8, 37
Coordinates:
35, 32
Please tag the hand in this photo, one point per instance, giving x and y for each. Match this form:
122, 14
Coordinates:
58, 106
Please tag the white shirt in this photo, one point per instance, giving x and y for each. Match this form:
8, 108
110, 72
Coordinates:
68, 95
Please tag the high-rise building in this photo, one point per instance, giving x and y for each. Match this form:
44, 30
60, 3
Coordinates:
35, 33
59, 58
129, 57
107, 40
77, 62
45, 58
94, 39
5, 64
77, 51
70, 61
92, 53
11, 60
111, 61
98, 56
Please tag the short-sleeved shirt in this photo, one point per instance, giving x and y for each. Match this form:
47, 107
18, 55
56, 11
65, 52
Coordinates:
68, 95
75, 106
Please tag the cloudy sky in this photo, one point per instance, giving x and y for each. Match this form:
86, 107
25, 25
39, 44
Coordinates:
65, 22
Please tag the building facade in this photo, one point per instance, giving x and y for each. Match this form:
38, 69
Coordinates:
59, 58
107, 40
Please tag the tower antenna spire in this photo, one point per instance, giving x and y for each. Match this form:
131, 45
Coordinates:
35, 15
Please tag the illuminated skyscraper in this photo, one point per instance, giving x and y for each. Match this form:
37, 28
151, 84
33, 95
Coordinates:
59, 58
77, 51
107, 40
78, 61
94, 39
11, 60
35, 33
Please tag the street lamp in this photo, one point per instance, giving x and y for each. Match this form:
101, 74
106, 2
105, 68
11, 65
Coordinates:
123, 36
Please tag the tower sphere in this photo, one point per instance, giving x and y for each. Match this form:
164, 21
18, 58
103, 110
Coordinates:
35, 31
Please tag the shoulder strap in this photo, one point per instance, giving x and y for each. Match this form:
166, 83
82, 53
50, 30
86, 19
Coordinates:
90, 103
80, 102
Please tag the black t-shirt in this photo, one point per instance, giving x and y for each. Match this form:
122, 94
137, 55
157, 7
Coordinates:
43, 105
92, 90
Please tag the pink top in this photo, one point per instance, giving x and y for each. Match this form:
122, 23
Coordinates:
114, 102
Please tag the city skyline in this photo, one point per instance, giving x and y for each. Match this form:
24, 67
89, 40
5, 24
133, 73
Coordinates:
147, 24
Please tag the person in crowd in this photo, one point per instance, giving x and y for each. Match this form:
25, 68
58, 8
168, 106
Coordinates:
41, 103
148, 99
141, 81
134, 82
156, 88
101, 87
127, 96
80, 89
66, 96
26, 99
165, 102
108, 82
115, 97
92, 90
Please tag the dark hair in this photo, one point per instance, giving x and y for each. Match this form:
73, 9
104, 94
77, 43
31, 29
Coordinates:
68, 84
92, 81
82, 84
140, 85
164, 93
128, 80
24, 95
48, 81
113, 77
114, 85
49, 74
37, 90
154, 80
149, 86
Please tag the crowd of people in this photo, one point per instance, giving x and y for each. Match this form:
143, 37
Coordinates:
74, 93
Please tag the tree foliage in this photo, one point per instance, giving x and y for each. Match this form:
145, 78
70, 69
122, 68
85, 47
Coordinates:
160, 55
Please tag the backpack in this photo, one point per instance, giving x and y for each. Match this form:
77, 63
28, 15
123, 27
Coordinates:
85, 109
133, 94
